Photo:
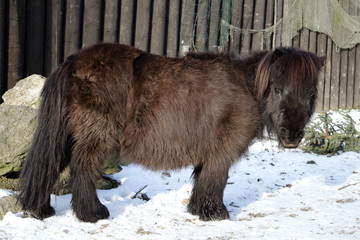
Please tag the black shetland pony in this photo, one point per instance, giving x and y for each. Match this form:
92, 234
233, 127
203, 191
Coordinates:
164, 113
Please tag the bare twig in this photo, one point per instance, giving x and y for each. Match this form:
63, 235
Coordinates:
139, 191
349, 185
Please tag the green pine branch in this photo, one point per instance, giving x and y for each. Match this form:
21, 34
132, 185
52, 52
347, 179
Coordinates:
329, 137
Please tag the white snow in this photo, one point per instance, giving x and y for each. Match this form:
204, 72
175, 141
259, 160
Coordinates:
272, 193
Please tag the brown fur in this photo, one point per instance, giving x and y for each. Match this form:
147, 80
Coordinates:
163, 113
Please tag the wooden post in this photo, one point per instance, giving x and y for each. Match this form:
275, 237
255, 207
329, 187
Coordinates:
279, 15
157, 38
214, 25
321, 51
16, 48
312, 41
3, 46
127, 22
335, 78
247, 24
201, 22
259, 23
173, 29
54, 34
111, 21
236, 18
304, 39
269, 21
357, 78
143, 24
93, 24
34, 45
328, 71
73, 27
187, 30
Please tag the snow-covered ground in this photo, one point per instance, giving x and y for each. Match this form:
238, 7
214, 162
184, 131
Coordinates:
272, 193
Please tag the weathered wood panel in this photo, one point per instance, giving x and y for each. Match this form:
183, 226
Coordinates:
36, 35
3, 46
259, 23
236, 17
111, 20
73, 26
143, 25
93, 22
16, 46
127, 22
173, 27
247, 23
34, 45
158, 29
54, 35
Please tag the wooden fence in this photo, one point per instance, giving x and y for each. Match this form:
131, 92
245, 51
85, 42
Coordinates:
36, 36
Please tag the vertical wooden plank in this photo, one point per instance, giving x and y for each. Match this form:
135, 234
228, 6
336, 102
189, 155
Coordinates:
258, 42
34, 43
224, 31
3, 46
269, 21
16, 50
127, 22
312, 41
350, 79
328, 72
215, 24
142, 27
321, 51
335, 79
201, 25
357, 78
157, 40
187, 40
173, 29
73, 27
343, 67
295, 41
304, 39
247, 24
350, 87
279, 15
92, 25
54, 31
111, 21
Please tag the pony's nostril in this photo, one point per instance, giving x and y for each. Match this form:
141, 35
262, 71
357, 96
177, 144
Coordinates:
301, 134
283, 131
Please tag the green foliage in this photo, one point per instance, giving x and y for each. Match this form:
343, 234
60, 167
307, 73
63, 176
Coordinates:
327, 136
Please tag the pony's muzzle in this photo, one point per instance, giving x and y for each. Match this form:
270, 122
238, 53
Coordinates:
290, 138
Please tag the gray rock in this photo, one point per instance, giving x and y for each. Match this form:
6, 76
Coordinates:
26, 92
18, 122
8, 204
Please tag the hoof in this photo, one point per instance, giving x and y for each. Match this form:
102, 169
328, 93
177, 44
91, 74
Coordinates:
41, 214
93, 215
214, 212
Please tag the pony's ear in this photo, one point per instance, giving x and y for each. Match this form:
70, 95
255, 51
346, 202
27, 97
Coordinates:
322, 60
278, 53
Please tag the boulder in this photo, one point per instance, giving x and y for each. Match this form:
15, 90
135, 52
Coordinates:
18, 120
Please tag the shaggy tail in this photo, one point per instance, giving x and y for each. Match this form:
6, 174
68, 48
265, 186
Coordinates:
48, 154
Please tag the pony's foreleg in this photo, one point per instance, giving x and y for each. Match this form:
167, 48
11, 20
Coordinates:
92, 145
207, 195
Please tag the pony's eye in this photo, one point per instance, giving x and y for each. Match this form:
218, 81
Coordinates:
277, 91
311, 95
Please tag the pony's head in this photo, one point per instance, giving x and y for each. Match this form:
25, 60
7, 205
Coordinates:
285, 85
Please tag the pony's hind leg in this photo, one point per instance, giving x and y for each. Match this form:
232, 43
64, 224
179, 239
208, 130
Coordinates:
206, 199
93, 142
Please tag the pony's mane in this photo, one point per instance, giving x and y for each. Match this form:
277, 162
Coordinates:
296, 64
